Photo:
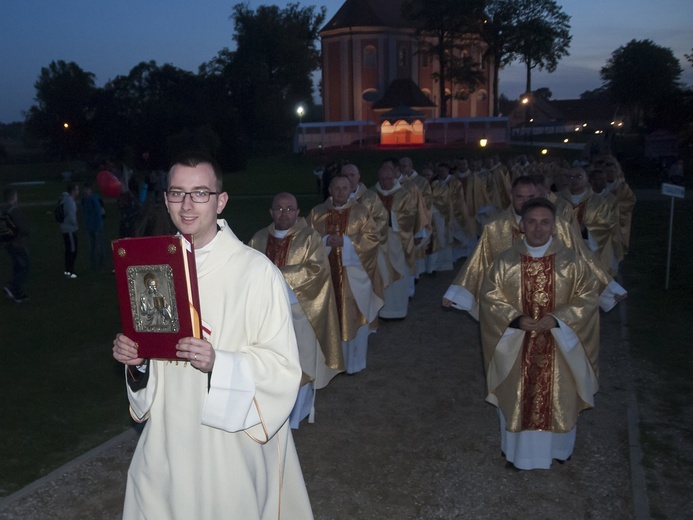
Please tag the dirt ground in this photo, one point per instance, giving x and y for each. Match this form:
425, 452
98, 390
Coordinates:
412, 438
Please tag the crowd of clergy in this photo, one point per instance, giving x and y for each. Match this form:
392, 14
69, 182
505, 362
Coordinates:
356, 258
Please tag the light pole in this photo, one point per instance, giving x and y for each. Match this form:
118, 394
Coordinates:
300, 111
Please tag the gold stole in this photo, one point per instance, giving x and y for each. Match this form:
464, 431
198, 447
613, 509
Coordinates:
337, 222
580, 210
277, 249
538, 354
387, 202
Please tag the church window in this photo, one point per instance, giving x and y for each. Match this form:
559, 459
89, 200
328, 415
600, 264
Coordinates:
369, 56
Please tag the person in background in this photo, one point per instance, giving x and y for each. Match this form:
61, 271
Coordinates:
17, 247
94, 213
69, 227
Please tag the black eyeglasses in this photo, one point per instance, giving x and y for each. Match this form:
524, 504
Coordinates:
198, 196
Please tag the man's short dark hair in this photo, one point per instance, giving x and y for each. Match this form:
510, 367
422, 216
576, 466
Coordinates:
524, 180
192, 159
538, 202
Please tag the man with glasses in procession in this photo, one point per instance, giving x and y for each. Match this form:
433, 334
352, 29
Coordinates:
217, 443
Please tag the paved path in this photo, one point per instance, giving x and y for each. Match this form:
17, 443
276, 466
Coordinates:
411, 438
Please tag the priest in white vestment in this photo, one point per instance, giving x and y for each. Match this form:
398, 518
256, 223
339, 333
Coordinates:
217, 442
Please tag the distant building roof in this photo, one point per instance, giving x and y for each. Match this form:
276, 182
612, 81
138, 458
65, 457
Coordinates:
403, 93
368, 13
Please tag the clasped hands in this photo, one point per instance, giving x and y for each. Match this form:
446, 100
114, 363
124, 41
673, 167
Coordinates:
544, 323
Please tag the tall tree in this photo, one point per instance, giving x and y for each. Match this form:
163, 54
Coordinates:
64, 108
496, 26
639, 75
276, 54
441, 26
541, 35
151, 104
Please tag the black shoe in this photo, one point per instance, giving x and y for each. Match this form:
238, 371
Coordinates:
562, 461
509, 465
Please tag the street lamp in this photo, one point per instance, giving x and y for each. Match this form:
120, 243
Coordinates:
300, 111
483, 142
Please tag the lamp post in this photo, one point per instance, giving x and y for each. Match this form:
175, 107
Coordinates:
300, 111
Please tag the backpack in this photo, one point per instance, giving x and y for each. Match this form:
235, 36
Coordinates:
59, 211
8, 228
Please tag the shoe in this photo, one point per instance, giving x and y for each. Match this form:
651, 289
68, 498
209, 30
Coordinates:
9, 293
67, 273
563, 461
71, 275
21, 300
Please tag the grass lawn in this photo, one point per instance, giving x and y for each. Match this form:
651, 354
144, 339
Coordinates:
64, 393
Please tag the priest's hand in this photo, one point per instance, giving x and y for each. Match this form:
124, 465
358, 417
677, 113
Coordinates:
620, 297
446, 302
198, 352
125, 351
528, 324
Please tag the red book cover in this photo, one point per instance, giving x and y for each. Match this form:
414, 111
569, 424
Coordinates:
157, 289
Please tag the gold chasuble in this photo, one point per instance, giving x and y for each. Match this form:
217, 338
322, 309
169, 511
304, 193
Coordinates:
593, 214
500, 234
354, 221
402, 204
302, 260
540, 381
379, 214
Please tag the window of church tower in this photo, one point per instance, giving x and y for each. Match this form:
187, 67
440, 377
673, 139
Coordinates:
369, 56
402, 58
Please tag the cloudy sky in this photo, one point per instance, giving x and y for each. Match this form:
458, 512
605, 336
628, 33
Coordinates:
109, 38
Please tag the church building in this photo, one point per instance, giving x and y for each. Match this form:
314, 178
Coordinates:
373, 70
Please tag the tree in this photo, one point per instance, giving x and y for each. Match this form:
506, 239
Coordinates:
496, 28
144, 109
441, 28
541, 35
64, 107
276, 54
639, 75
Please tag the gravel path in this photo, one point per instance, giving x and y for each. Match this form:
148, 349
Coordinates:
412, 438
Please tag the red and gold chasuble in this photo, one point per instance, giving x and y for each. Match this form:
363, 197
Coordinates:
337, 222
538, 349
278, 249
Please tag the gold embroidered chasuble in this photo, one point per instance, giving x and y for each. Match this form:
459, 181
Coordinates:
500, 234
475, 193
379, 214
538, 383
424, 216
593, 214
423, 226
402, 204
626, 202
497, 187
353, 220
459, 204
442, 202
302, 259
